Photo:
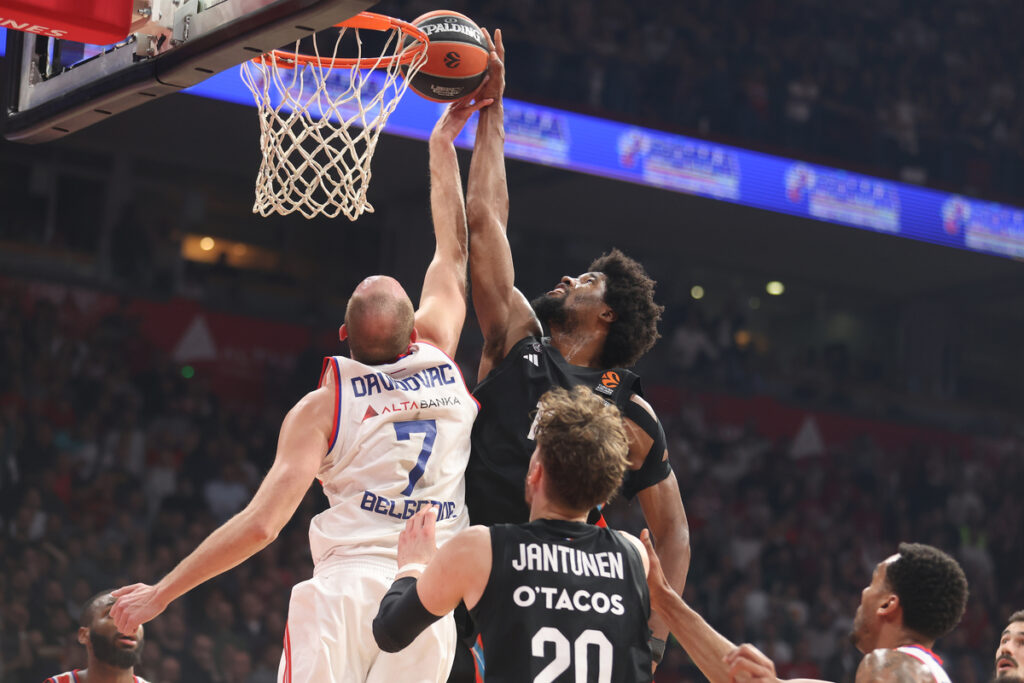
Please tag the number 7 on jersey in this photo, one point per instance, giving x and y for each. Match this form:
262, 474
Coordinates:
428, 428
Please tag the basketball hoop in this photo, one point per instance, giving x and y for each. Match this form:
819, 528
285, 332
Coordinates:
317, 132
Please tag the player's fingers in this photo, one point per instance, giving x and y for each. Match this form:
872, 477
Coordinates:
480, 104
487, 36
499, 45
745, 666
750, 652
425, 515
645, 537
125, 590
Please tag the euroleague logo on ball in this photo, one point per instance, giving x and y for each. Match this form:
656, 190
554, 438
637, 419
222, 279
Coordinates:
452, 60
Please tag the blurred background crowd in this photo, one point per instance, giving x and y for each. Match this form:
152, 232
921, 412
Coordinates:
810, 432
114, 465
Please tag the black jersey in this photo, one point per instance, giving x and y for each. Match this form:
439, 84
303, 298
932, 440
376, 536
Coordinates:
501, 440
565, 601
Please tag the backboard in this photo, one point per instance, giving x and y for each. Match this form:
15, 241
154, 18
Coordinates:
54, 87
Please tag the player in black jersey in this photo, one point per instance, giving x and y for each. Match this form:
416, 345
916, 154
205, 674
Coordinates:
555, 599
599, 323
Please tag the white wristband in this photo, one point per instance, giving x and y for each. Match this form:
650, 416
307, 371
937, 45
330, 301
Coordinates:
412, 566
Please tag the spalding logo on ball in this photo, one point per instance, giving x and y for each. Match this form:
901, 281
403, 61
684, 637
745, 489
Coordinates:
456, 58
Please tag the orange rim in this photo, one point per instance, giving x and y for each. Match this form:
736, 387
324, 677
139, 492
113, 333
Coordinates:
368, 20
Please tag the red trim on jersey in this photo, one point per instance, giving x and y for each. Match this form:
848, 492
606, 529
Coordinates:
476, 664
601, 522
337, 396
926, 650
459, 370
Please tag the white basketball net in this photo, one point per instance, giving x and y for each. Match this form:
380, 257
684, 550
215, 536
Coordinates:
317, 131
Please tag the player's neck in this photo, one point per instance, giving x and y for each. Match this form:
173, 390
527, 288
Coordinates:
541, 508
98, 672
580, 346
897, 637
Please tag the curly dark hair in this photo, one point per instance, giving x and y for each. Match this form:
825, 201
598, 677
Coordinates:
931, 587
583, 446
630, 293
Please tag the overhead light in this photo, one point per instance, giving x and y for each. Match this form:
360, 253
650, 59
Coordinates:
775, 288
697, 292
207, 244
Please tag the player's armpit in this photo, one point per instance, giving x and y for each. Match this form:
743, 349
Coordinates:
892, 666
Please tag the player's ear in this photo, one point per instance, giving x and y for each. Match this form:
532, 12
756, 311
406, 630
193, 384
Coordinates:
414, 335
535, 472
608, 315
342, 332
889, 606
83, 635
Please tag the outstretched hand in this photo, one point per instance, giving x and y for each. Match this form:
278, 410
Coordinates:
747, 663
494, 85
134, 606
457, 113
416, 543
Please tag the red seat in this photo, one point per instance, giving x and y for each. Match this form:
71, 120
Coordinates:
99, 22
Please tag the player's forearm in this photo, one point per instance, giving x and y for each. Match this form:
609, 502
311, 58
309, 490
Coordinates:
674, 554
706, 646
487, 194
446, 203
235, 541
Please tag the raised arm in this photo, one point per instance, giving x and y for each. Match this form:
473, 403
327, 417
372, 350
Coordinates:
504, 314
301, 447
717, 657
706, 646
442, 309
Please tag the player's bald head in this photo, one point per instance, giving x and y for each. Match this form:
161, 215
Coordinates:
379, 320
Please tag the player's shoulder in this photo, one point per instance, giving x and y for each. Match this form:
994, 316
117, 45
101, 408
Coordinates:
640, 401
893, 666
71, 677
468, 541
637, 544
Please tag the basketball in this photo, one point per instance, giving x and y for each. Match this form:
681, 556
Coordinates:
456, 58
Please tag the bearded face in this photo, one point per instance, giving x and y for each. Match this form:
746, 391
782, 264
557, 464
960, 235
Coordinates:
552, 312
117, 650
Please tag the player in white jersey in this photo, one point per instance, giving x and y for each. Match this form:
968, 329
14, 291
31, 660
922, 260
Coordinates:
914, 598
386, 432
111, 655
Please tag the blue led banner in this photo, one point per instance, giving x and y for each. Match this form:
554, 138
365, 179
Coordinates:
697, 167
682, 164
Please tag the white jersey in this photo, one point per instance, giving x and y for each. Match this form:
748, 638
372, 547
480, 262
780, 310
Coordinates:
400, 442
929, 659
